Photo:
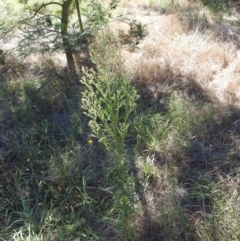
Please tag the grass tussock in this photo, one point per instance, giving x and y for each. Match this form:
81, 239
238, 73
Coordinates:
176, 56
148, 154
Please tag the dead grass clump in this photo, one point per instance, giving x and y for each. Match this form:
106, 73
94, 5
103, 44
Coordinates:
152, 71
42, 65
159, 216
197, 22
180, 59
225, 84
120, 34
171, 54
225, 32
170, 24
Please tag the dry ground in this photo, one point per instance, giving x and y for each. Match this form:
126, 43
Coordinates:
186, 49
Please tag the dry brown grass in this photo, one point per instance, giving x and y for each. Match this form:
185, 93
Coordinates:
32, 67
173, 54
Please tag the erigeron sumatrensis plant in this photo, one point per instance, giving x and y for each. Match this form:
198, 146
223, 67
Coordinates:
109, 100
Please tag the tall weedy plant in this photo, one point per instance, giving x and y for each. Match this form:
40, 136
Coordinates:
109, 99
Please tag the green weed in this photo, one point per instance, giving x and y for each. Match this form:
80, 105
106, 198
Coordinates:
109, 100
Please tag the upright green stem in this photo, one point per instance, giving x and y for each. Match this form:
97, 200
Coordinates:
79, 16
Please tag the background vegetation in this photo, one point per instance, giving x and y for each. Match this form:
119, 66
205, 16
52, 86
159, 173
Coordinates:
142, 143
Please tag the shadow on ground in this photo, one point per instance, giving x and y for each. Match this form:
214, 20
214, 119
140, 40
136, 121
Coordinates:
47, 160
209, 157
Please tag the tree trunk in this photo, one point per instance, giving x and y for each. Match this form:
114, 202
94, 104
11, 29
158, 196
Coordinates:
64, 32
